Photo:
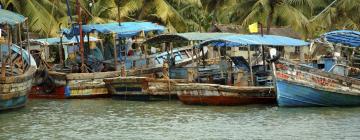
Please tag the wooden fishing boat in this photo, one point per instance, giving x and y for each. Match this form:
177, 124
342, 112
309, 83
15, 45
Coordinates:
242, 92
301, 85
75, 85
222, 95
141, 88
17, 65
58, 81
16, 82
77, 81
145, 86
332, 85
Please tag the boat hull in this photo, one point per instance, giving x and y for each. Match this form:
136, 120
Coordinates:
75, 86
219, 95
302, 86
14, 102
295, 95
14, 90
140, 89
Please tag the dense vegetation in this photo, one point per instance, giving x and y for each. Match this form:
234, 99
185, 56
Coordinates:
308, 17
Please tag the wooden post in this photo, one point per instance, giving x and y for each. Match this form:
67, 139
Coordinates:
163, 47
83, 67
302, 55
61, 52
3, 62
9, 49
165, 70
221, 72
250, 65
115, 52
146, 55
192, 54
263, 56
123, 69
21, 50
28, 41
229, 71
191, 74
102, 46
172, 58
197, 64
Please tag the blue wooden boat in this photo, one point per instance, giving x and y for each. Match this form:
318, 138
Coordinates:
301, 85
333, 85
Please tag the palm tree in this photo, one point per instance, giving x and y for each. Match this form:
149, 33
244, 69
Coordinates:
155, 10
339, 14
44, 16
281, 12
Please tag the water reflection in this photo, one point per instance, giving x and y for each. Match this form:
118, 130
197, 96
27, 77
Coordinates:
109, 119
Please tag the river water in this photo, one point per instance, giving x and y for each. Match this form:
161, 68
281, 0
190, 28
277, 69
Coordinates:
114, 119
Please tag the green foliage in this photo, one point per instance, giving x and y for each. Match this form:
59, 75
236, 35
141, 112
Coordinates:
308, 17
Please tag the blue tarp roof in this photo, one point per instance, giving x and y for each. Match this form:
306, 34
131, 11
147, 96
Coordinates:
254, 40
190, 36
345, 37
125, 30
55, 41
11, 18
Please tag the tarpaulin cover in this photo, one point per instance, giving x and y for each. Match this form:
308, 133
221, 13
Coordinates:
345, 37
11, 18
254, 40
191, 36
56, 40
124, 30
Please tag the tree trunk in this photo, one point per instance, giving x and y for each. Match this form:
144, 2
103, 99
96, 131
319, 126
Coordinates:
270, 16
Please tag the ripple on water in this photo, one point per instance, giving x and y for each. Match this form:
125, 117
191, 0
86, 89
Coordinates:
109, 119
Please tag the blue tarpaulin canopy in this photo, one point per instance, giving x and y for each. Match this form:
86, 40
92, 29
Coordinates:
191, 36
254, 40
55, 41
124, 30
345, 37
11, 18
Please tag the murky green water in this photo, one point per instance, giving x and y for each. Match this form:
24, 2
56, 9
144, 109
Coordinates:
113, 119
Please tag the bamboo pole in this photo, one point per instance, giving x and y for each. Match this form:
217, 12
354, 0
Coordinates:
146, 55
250, 65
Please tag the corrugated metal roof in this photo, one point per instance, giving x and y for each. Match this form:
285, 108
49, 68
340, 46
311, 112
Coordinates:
11, 18
345, 37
